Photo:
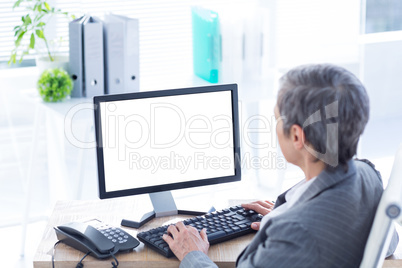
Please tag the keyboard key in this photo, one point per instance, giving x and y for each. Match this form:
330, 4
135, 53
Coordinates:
241, 222
243, 226
238, 217
216, 235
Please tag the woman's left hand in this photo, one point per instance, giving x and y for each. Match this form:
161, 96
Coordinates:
184, 239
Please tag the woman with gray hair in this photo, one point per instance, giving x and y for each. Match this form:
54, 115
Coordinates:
325, 220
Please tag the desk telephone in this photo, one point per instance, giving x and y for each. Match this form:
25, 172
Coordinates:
94, 236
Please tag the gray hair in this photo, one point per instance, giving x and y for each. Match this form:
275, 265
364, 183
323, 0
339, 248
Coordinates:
318, 96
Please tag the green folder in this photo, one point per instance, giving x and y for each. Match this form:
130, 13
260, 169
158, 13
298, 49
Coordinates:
206, 44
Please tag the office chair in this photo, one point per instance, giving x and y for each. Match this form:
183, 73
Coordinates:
389, 209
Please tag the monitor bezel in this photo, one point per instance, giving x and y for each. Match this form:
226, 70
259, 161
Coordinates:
172, 186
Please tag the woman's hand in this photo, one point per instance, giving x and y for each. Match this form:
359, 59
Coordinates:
184, 239
261, 207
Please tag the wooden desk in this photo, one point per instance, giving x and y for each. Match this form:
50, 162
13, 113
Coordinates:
112, 211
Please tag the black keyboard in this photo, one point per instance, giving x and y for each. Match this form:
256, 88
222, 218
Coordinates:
221, 226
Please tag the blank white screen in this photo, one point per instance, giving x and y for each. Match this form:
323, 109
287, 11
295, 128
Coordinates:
163, 140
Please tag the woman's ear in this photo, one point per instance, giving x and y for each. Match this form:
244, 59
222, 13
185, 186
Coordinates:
297, 137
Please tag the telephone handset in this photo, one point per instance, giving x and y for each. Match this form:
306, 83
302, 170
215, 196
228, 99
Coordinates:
96, 237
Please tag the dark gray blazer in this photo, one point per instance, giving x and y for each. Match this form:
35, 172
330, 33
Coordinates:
328, 227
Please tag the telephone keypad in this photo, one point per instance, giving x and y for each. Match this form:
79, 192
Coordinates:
115, 234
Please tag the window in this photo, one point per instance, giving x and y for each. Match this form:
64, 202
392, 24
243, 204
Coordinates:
383, 16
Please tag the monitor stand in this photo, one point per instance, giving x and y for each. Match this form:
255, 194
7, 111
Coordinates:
164, 205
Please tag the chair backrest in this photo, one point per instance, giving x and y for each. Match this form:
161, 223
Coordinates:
388, 210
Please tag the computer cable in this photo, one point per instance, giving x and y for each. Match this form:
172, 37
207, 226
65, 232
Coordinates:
115, 264
80, 264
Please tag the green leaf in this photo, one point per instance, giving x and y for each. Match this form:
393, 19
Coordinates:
27, 20
13, 58
47, 6
32, 41
17, 32
16, 27
39, 17
23, 19
40, 34
18, 41
17, 4
26, 52
41, 24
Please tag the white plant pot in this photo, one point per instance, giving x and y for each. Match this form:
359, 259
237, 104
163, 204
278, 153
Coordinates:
43, 63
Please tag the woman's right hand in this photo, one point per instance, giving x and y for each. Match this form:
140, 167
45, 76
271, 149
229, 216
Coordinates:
261, 207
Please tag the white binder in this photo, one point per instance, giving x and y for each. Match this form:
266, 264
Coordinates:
93, 57
121, 54
114, 55
76, 57
232, 43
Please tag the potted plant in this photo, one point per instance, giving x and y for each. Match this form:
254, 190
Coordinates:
54, 85
32, 27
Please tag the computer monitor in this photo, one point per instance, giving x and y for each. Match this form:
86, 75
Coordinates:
157, 141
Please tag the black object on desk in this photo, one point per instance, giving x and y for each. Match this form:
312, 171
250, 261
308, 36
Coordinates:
221, 226
94, 236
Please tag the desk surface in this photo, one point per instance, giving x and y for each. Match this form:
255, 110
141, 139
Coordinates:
112, 211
